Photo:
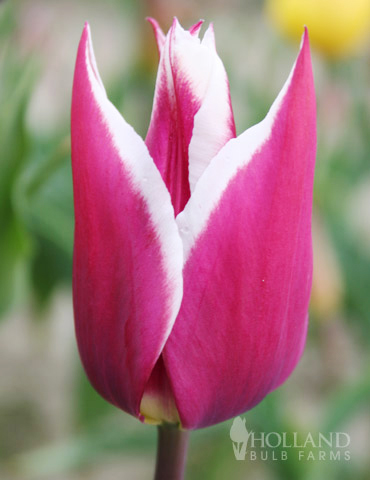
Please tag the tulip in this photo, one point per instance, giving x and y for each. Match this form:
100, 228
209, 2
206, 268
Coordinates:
192, 254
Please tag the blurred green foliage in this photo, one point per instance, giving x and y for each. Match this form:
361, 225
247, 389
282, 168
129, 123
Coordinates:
16, 85
36, 205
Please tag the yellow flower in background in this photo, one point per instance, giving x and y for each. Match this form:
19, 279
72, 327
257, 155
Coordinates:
337, 27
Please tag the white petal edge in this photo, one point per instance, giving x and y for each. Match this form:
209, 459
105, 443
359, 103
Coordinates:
199, 66
212, 122
148, 183
236, 154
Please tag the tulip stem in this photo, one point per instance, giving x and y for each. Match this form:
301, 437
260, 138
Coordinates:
171, 453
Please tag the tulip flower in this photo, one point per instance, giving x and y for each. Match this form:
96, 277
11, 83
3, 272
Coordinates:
192, 255
337, 27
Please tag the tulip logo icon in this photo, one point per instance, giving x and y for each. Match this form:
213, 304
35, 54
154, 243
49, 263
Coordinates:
239, 436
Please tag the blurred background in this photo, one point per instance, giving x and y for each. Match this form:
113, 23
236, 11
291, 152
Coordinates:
53, 426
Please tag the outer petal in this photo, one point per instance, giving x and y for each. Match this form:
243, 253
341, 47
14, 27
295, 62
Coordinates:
247, 277
190, 73
127, 282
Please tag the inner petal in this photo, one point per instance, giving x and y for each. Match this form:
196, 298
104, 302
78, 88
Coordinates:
158, 404
169, 136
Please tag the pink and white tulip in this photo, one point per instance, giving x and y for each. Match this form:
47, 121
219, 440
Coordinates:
192, 256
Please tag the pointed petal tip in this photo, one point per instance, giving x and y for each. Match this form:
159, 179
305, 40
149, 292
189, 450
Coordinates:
305, 39
174, 26
176, 30
194, 29
86, 36
158, 33
305, 53
153, 22
209, 36
86, 32
87, 53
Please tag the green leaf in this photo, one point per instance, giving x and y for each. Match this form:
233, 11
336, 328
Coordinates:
347, 402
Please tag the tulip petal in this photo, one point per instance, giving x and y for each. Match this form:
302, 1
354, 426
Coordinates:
214, 122
127, 281
195, 29
248, 262
187, 69
158, 33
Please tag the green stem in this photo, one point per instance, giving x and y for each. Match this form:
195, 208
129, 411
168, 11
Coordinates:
171, 453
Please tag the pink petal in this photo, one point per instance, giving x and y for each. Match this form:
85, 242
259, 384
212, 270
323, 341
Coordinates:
195, 29
186, 70
127, 282
247, 277
158, 33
